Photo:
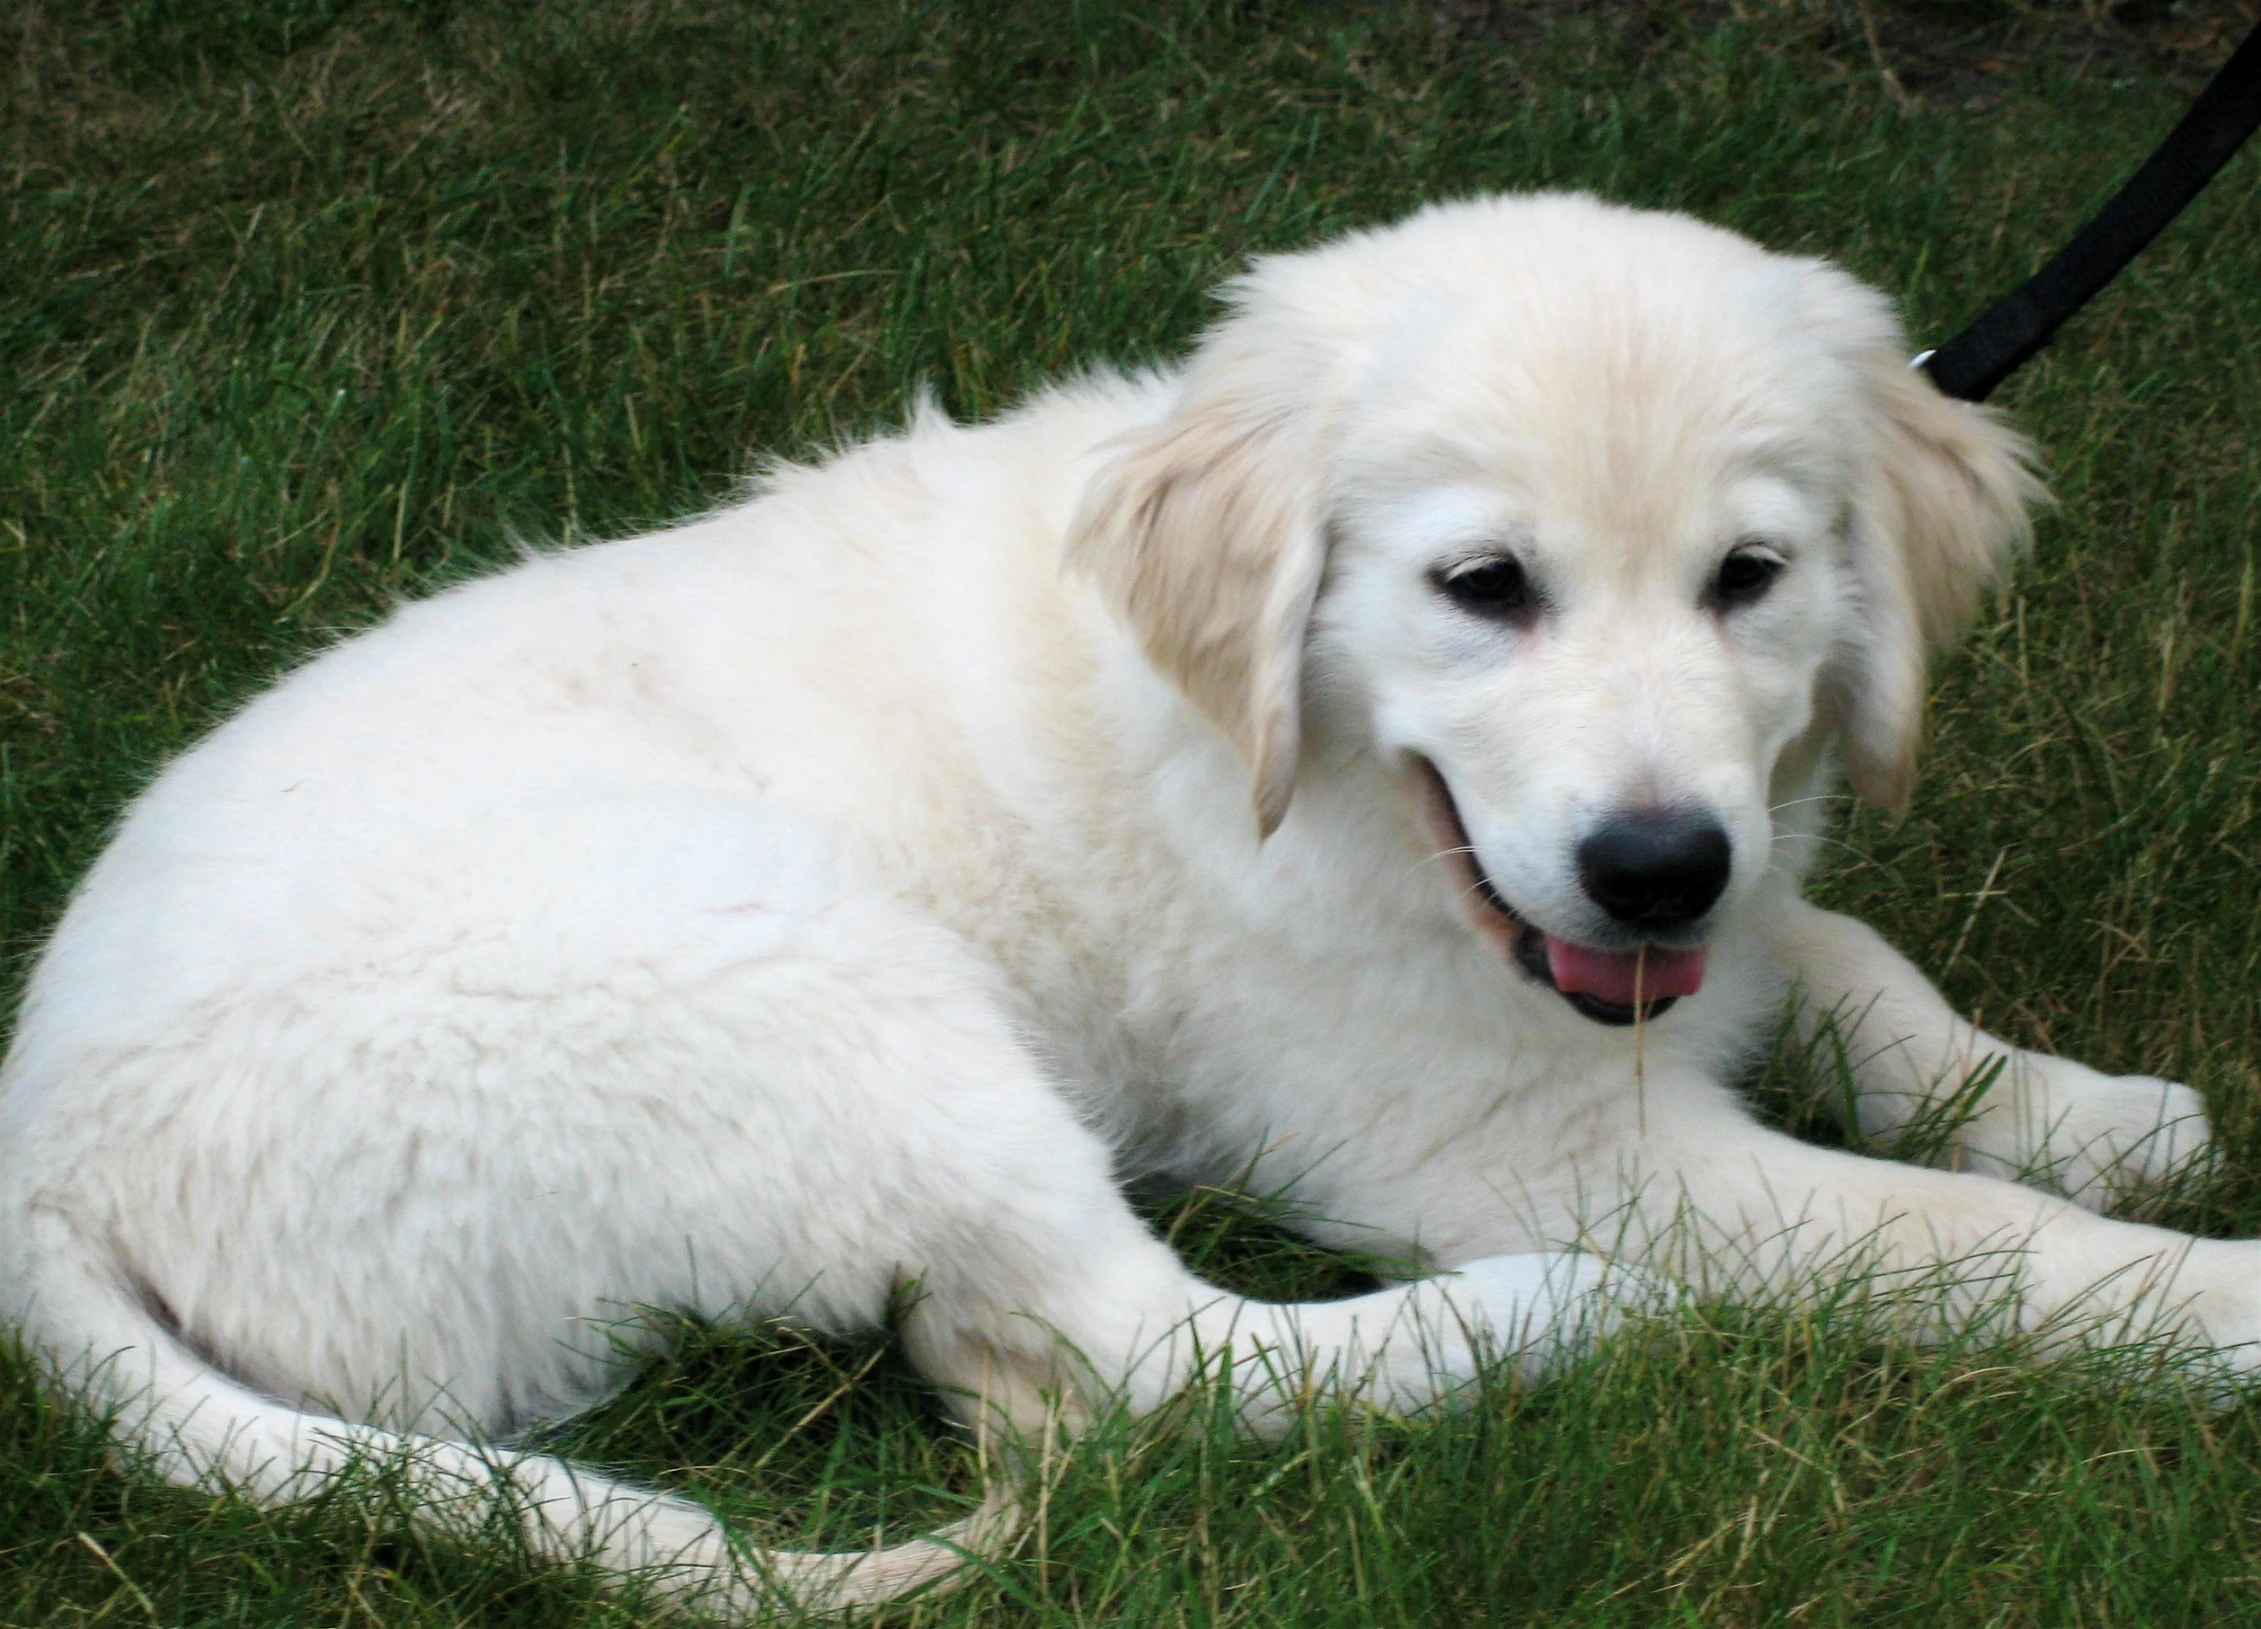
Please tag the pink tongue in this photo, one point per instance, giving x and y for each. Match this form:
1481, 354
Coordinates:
1609, 975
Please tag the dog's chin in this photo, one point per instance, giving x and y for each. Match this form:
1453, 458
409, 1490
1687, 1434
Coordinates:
1527, 945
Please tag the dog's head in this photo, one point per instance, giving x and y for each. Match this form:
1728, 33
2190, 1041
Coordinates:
1602, 525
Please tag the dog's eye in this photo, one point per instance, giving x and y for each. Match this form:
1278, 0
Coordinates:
1498, 587
1743, 579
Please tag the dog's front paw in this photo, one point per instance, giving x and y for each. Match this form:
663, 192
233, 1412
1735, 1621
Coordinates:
2208, 1301
1544, 1308
2096, 1138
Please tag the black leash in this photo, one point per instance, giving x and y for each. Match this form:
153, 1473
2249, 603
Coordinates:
1979, 358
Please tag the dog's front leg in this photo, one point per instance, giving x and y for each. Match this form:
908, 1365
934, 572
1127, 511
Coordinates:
1667, 1174
2004, 1111
1739, 1211
1734, 1209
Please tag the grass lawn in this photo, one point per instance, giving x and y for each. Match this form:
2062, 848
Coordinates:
306, 305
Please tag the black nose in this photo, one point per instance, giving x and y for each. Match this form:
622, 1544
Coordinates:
1656, 869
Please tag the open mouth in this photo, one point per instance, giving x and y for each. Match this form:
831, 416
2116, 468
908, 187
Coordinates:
1614, 987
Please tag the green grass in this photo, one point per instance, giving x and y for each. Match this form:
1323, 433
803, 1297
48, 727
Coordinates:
308, 305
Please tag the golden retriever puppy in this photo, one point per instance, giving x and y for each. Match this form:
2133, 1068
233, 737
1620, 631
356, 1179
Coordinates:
1379, 757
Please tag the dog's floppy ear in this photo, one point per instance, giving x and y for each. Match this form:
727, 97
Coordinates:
1207, 533
1940, 506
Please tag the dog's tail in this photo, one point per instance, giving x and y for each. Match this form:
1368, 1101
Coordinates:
201, 1428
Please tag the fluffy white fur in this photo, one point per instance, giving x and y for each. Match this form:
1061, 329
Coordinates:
847, 890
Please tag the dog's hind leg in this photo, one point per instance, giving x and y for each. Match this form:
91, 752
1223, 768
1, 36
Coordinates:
879, 1123
1062, 1299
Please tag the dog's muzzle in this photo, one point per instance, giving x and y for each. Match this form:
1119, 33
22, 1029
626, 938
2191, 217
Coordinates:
1654, 872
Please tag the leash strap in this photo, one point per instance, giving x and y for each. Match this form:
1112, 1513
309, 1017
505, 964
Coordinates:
2000, 342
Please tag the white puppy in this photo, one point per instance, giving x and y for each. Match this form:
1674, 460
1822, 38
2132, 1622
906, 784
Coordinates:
1380, 757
